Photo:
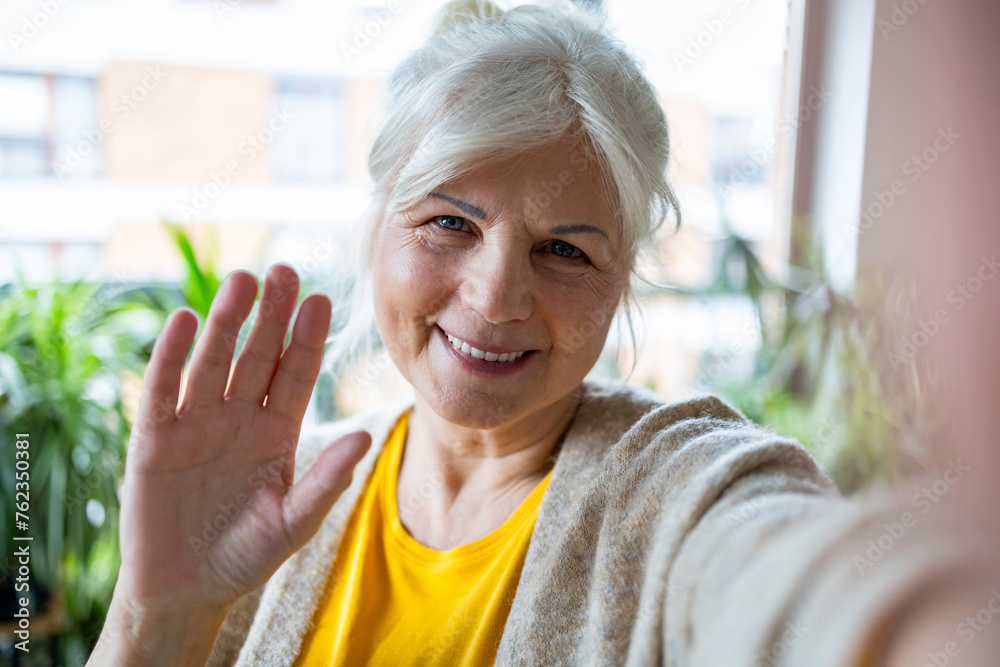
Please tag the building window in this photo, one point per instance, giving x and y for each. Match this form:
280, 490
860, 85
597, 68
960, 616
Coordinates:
76, 132
24, 124
311, 148
46, 130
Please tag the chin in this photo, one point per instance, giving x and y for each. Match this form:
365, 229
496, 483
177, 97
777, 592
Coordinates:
474, 409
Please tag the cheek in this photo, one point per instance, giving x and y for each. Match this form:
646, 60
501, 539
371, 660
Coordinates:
410, 285
581, 316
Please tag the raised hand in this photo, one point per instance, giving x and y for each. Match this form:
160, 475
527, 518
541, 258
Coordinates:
209, 509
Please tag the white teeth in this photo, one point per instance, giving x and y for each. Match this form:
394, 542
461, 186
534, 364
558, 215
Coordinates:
465, 348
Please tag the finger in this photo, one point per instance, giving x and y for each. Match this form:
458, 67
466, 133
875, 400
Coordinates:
162, 382
309, 501
262, 350
299, 366
213, 354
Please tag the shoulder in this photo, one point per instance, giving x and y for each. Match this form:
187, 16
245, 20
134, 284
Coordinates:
627, 399
702, 436
618, 409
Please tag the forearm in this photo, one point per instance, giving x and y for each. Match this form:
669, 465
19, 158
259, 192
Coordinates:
177, 637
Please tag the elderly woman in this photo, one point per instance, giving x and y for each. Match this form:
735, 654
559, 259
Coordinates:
514, 512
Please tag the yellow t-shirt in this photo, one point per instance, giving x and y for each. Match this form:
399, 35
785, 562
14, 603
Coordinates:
390, 600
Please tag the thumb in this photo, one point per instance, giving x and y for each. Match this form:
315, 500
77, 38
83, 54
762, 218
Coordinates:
307, 503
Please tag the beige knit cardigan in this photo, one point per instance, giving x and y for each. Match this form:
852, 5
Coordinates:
675, 534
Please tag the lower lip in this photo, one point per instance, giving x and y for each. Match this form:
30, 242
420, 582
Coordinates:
481, 366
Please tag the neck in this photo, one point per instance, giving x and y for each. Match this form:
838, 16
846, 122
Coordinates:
481, 465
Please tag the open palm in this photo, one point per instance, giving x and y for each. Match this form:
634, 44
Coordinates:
209, 509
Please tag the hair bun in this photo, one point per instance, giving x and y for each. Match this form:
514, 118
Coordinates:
458, 12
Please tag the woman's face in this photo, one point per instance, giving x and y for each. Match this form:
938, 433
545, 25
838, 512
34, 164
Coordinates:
521, 258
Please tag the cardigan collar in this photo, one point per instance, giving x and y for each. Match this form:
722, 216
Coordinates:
605, 412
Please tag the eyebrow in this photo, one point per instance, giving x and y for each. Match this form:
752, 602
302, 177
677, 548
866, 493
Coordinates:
576, 229
465, 206
479, 213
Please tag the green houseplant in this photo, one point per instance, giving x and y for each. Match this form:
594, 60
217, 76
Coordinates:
822, 373
65, 350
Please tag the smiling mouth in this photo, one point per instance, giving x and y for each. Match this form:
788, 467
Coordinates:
476, 353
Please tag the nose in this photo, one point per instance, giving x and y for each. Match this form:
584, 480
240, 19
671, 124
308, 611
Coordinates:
498, 283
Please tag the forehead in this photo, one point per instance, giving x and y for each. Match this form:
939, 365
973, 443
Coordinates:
562, 184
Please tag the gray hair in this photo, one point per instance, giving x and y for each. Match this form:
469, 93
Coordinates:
490, 86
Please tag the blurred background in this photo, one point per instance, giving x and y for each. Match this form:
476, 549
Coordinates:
149, 148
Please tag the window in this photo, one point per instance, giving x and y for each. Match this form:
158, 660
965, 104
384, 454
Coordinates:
312, 147
51, 129
23, 125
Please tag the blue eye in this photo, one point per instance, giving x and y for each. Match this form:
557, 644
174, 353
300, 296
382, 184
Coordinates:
563, 249
451, 222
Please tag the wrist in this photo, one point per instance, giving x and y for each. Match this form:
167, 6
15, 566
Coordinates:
143, 636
